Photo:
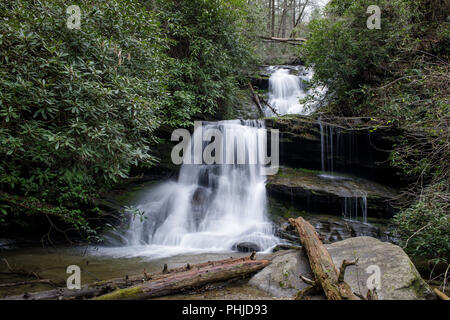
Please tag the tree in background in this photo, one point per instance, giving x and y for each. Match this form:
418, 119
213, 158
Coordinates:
285, 17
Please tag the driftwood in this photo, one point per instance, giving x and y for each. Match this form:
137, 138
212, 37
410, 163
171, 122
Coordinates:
165, 282
189, 278
326, 275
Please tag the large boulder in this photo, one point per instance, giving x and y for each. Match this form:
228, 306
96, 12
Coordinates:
400, 280
280, 278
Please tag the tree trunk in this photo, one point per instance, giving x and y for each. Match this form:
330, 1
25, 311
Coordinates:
273, 19
325, 272
293, 14
189, 279
300, 18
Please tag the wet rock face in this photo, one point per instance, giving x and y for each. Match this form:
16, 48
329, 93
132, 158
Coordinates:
318, 193
359, 151
333, 229
397, 279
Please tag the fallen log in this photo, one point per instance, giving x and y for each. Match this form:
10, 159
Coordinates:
101, 288
23, 283
256, 99
284, 39
293, 41
270, 107
188, 279
326, 275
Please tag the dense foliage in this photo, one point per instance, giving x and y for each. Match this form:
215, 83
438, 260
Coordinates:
208, 54
79, 108
398, 73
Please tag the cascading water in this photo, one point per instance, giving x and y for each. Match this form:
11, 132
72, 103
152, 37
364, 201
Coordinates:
353, 205
286, 90
211, 207
355, 202
328, 148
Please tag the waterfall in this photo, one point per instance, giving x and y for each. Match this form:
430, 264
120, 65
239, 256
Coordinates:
328, 148
210, 207
353, 205
286, 90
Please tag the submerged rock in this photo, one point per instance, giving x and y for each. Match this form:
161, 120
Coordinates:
400, 280
246, 247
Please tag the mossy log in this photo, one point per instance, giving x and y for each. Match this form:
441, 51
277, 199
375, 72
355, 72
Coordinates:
326, 274
190, 278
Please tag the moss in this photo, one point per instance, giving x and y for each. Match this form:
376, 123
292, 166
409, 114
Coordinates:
417, 283
122, 294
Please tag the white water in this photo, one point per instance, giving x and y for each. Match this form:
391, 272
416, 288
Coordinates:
286, 90
210, 208
355, 205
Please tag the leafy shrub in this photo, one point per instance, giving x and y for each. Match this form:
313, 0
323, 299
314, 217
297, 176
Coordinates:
424, 227
79, 108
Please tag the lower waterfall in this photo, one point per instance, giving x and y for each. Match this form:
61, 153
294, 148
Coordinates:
210, 207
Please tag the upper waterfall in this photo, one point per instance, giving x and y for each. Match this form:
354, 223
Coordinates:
287, 88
